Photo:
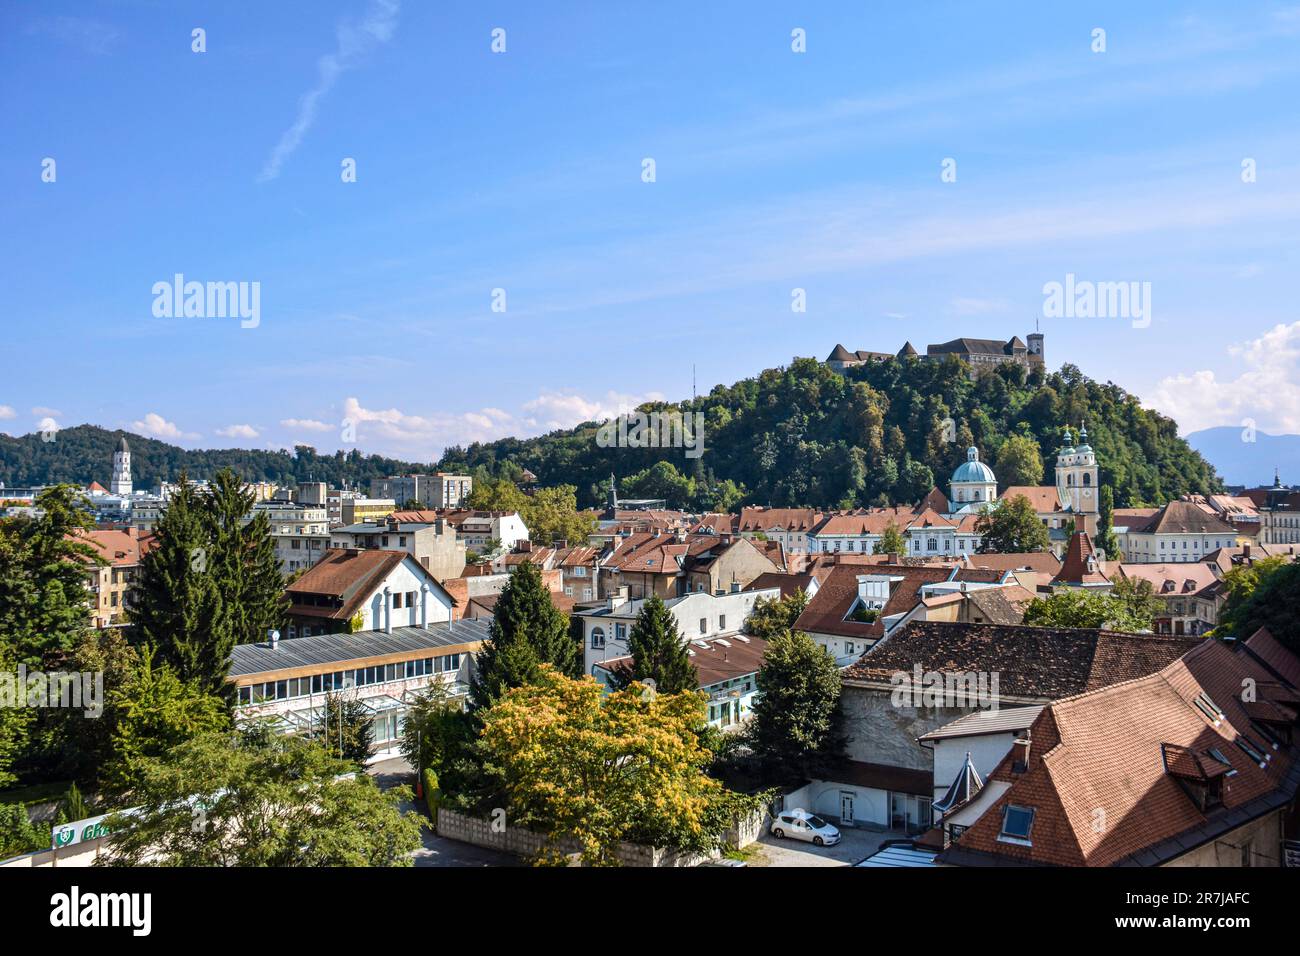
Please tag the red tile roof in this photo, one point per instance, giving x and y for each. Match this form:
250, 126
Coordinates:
826, 612
1109, 771
1080, 565
1266, 648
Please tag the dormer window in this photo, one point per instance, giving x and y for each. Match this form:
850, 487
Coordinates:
1212, 712
1017, 822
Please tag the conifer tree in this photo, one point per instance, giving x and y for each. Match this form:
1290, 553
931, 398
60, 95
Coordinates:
658, 652
177, 605
243, 560
527, 630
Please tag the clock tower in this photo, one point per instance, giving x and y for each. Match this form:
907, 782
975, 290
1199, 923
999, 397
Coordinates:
1076, 480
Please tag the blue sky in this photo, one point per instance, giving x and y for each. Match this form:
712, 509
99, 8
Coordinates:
521, 170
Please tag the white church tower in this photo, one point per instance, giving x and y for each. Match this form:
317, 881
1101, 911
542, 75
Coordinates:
121, 483
1076, 480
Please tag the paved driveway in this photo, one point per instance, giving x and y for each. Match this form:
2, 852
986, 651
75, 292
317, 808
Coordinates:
436, 850
857, 844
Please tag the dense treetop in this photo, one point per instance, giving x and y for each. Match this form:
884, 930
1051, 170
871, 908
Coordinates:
876, 434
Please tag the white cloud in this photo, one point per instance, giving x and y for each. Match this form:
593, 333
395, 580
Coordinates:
552, 410
238, 431
155, 426
7, 411
1265, 389
41, 410
354, 41
424, 436
309, 424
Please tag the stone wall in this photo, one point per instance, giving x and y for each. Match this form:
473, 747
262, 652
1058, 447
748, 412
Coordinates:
880, 732
528, 845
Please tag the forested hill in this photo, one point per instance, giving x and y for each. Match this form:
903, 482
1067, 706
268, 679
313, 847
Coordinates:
85, 453
805, 435
800, 435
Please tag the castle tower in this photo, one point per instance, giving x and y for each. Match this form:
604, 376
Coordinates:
1076, 480
121, 482
1035, 341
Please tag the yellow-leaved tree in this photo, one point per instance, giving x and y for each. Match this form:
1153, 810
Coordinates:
572, 762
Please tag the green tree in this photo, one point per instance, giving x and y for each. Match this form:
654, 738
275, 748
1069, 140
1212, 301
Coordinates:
226, 800
1264, 594
154, 711
773, 616
572, 763
18, 834
44, 598
178, 606
1011, 526
1131, 610
438, 736
891, 541
1106, 538
243, 561
347, 731
1019, 462
527, 630
797, 731
658, 652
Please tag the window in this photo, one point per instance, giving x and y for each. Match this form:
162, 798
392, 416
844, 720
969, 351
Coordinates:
722, 622
1016, 824
597, 638
397, 600
620, 632
410, 599
704, 625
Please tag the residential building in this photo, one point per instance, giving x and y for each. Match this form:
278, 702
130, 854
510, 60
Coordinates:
111, 584
789, 526
700, 617
1194, 764
435, 545
726, 670
362, 590
439, 490
928, 674
1179, 532
300, 531
1187, 591
363, 510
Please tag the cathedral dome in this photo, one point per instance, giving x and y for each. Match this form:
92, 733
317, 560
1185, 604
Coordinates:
974, 470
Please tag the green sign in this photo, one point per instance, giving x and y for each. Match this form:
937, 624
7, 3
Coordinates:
68, 834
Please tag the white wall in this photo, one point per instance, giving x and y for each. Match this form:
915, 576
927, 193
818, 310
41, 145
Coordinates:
408, 576
986, 751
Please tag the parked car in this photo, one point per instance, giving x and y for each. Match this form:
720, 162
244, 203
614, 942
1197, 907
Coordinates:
802, 825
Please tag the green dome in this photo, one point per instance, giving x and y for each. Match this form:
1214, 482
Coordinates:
974, 470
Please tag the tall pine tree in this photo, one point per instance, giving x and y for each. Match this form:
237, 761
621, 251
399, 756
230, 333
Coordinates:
527, 630
658, 652
177, 606
243, 560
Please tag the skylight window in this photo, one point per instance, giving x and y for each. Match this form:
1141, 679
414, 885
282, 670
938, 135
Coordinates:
1252, 751
1016, 824
1213, 713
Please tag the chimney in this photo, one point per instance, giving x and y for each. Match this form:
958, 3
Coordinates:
1020, 754
424, 606
618, 598
1245, 552
273, 638
726, 540
388, 611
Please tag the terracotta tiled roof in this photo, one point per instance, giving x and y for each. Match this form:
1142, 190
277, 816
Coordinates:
1042, 498
1173, 579
1183, 517
787, 519
118, 548
826, 612
1076, 568
1032, 663
1137, 752
1265, 648
347, 575
788, 583
1001, 605
1042, 561
714, 660
936, 500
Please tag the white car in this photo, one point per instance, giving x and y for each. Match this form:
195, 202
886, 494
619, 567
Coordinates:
802, 825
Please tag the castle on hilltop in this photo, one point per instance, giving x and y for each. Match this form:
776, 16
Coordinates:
979, 354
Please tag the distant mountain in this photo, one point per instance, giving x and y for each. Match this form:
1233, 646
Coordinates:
85, 453
1242, 462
